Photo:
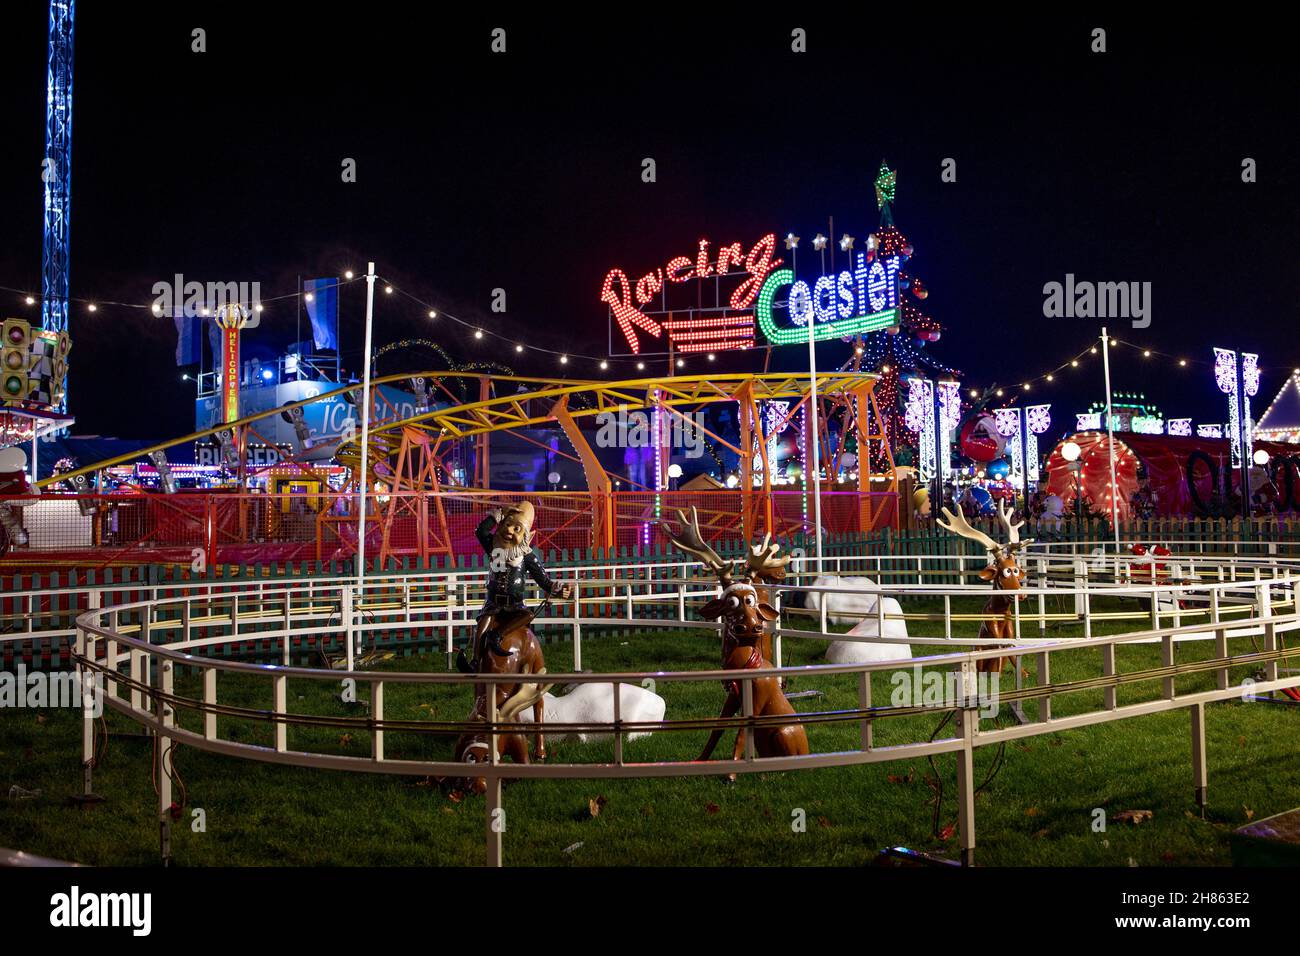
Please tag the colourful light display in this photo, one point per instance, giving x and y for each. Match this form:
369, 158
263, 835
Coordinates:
850, 303
627, 300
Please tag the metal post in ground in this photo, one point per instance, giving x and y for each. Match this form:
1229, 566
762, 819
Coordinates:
967, 717
1200, 773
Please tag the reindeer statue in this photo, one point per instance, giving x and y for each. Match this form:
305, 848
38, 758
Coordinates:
523, 657
1003, 570
745, 644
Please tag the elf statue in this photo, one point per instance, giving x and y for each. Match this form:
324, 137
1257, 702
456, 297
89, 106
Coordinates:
504, 535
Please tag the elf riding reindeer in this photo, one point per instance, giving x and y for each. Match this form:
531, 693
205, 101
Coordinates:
1003, 570
744, 613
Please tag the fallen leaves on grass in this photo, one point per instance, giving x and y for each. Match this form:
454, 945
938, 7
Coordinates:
711, 808
595, 805
823, 823
946, 833
906, 778
345, 740
1032, 811
1133, 816
1250, 814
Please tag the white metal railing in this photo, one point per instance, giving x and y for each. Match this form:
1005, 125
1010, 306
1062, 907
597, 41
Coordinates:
31, 619
138, 648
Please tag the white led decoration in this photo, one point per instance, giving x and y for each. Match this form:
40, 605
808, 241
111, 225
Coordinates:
1250, 383
949, 419
919, 417
1090, 421
1225, 376
1178, 426
1038, 418
1209, 431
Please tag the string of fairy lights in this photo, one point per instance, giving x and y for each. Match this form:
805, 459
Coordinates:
515, 347
1025, 385
478, 331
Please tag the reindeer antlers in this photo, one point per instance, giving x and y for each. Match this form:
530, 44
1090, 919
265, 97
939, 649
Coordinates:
1013, 530
692, 542
762, 557
958, 525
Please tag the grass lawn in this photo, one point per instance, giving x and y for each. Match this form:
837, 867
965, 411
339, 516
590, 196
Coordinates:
1038, 810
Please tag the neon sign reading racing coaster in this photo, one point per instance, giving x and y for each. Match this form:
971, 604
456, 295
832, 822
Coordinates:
850, 303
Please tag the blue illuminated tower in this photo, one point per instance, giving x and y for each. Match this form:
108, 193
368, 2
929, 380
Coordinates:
57, 168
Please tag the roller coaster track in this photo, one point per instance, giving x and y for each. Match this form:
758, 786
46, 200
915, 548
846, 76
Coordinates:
533, 402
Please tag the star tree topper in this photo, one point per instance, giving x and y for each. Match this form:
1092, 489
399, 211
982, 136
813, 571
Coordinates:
886, 181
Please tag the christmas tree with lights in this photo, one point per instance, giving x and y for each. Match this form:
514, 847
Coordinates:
899, 352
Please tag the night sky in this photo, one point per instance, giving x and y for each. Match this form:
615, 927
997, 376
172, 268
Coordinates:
522, 171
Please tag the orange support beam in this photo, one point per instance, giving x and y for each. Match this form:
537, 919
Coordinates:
598, 483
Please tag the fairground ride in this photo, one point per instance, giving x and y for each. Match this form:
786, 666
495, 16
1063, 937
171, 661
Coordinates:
419, 506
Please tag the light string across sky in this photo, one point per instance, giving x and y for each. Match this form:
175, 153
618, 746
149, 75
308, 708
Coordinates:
480, 331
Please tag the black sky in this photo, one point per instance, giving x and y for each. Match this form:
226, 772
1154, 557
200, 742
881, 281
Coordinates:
522, 171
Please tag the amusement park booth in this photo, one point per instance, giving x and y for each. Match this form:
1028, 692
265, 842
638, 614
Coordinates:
1187, 476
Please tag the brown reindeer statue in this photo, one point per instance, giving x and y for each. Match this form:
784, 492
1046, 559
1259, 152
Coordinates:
745, 641
523, 657
1003, 570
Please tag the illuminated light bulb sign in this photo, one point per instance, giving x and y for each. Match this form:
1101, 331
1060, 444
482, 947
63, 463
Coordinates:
854, 302
704, 329
1179, 427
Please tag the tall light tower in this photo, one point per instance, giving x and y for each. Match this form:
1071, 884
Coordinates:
57, 168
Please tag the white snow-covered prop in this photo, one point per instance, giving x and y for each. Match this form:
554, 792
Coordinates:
861, 651
594, 704
843, 599
856, 597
